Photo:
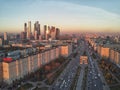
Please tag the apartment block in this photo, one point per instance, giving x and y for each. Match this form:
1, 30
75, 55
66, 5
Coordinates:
66, 50
112, 55
115, 56
16, 69
104, 52
1, 71
9, 71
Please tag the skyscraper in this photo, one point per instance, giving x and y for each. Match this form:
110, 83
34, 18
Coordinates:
57, 33
29, 30
36, 35
46, 32
1, 41
5, 36
36, 29
53, 33
25, 29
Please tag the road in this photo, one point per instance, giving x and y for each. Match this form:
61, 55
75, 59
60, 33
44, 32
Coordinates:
80, 80
66, 78
93, 79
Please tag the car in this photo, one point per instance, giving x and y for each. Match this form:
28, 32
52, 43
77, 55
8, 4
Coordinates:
95, 77
99, 75
95, 85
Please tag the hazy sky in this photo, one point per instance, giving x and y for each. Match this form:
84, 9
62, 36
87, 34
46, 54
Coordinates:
68, 15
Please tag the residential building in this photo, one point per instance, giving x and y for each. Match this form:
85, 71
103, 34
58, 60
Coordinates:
66, 50
16, 69
104, 52
1, 71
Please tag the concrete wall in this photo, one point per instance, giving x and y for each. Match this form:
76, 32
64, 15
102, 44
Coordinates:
19, 68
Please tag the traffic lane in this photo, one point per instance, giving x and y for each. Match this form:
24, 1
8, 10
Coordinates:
66, 75
94, 69
95, 82
68, 67
100, 85
66, 78
89, 81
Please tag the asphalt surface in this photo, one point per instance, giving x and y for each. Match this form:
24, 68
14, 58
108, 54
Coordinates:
66, 78
80, 79
93, 79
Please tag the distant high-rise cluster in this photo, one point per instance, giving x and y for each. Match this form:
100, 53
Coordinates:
50, 32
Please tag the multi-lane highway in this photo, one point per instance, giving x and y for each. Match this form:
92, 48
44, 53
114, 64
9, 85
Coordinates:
65, 80
93, 79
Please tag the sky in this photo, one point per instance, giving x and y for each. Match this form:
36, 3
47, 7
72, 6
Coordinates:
68, 15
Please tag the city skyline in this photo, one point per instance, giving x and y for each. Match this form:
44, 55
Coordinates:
69, 16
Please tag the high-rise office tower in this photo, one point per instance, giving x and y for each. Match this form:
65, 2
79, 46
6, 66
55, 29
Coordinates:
46, 32
49, 28
36, 35
25, 30
1, 41
53, 33
29, 30
5, 36
36, 29
57, 33
25, 27
45, 28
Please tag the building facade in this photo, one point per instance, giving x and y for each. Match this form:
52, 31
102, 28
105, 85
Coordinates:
1, 71
29, 30
17, 69
66, 50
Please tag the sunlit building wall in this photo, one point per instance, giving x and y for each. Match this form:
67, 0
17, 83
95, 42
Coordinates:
9, 72
53, 33
5, 36
104, 52
66, 50
17, 69
1, 42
